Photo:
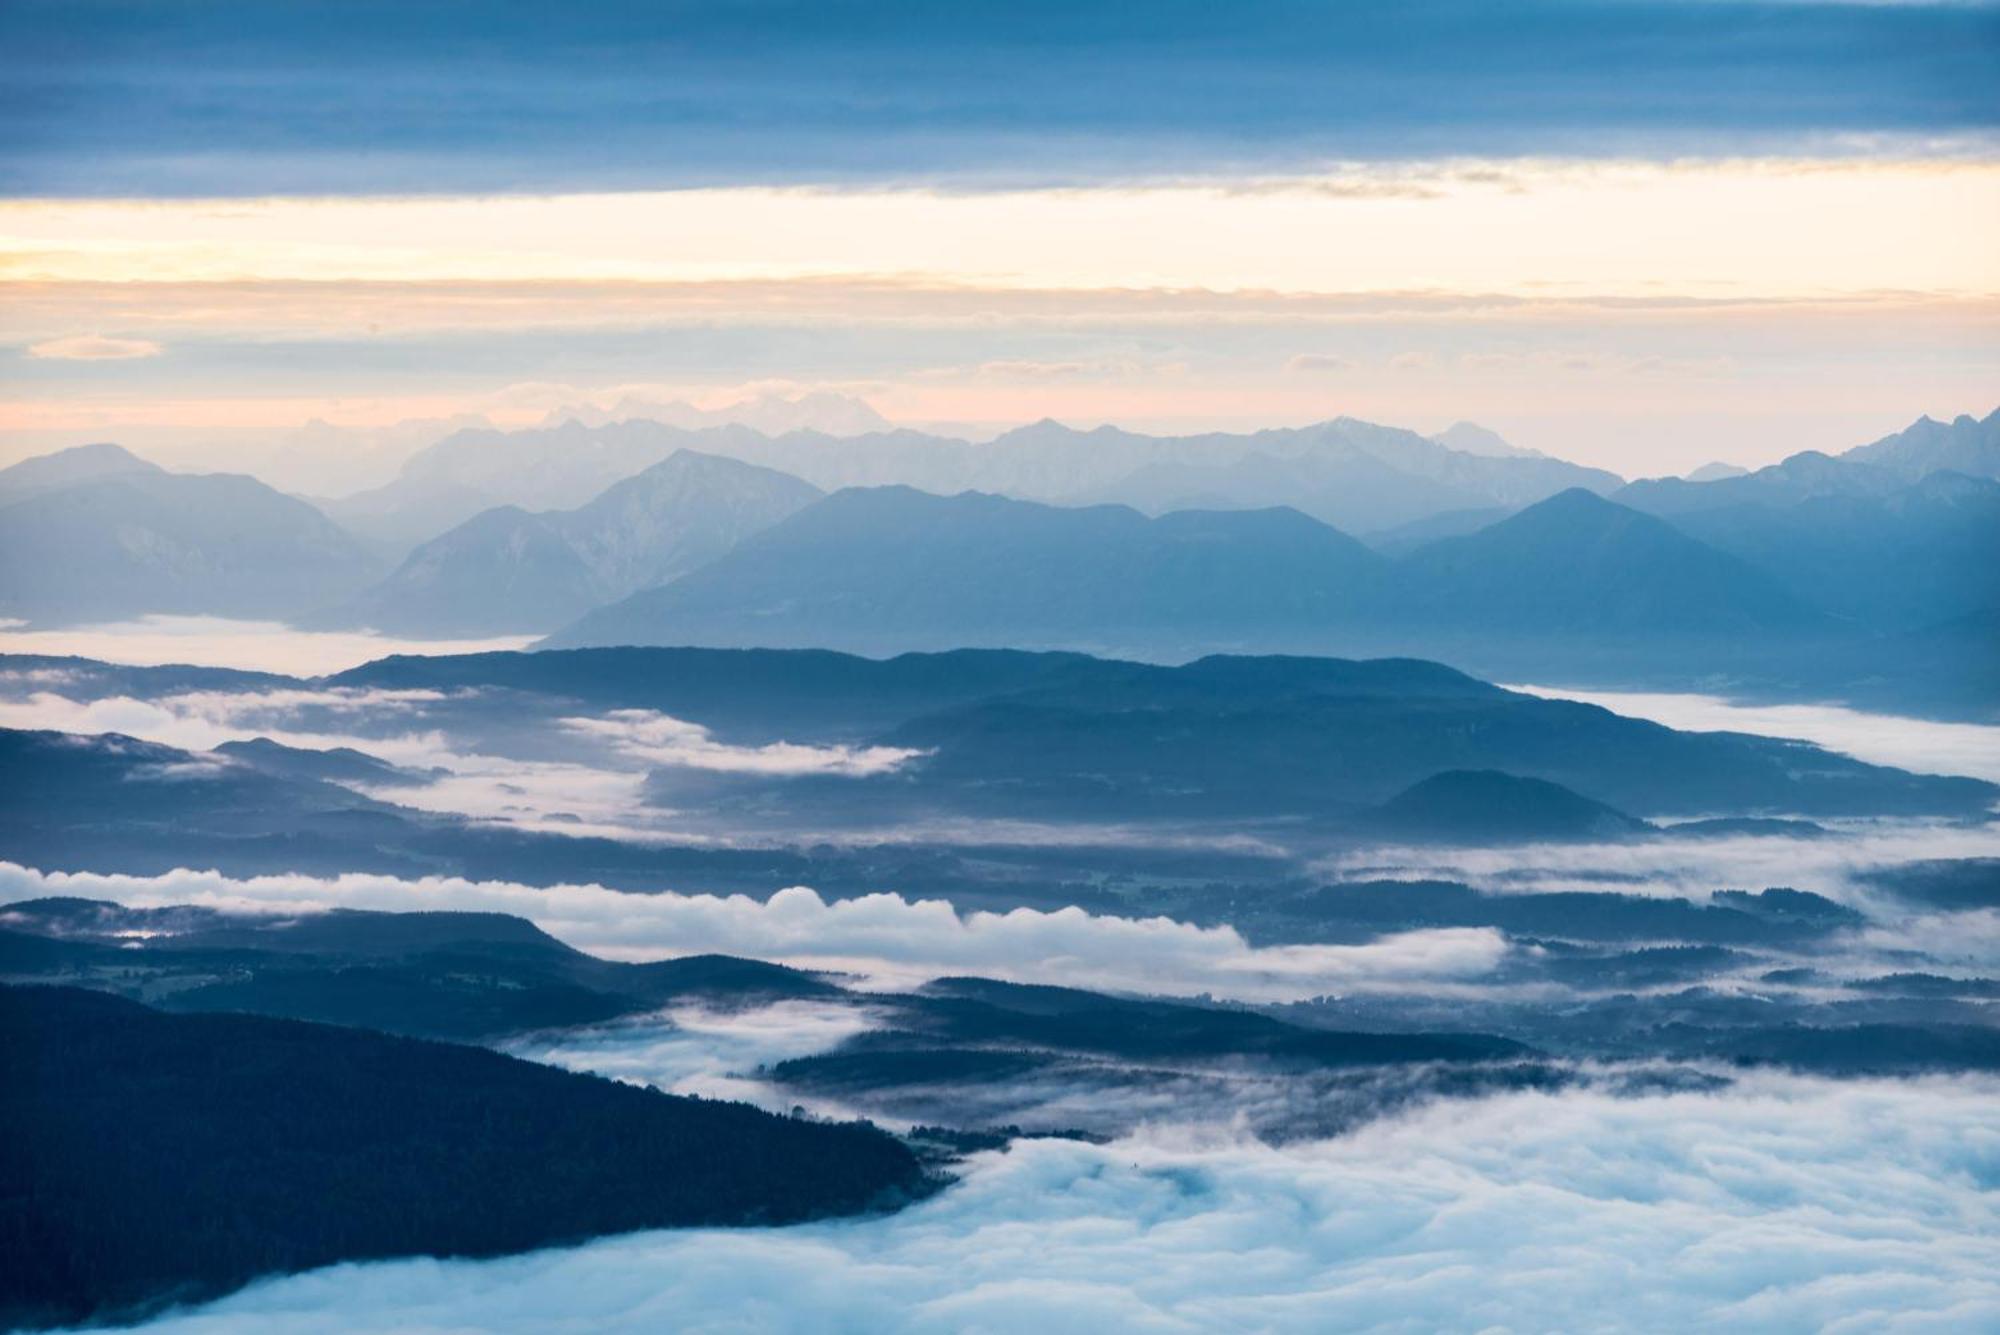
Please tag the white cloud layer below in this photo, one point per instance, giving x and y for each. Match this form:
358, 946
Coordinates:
661, 739
1923, 745
1687, 868
203, 720
890, 940
1784, 1204
690, 1050
249, 646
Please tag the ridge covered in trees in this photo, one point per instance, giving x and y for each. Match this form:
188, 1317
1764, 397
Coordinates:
148, 1158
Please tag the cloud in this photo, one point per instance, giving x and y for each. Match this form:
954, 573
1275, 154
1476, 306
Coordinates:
1783, 1204
1318, 361
565, 796
94, 348
1686, 868
1923, 745
202, 720
689, 1050
889, 939
660, 739
251, 646
123, 99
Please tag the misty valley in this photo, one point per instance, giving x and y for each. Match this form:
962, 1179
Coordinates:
834, 667
475, 954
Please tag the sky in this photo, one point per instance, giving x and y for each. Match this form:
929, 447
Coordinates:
1641, 235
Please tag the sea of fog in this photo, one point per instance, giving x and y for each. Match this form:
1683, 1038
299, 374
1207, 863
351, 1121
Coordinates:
1924, 745
250, 646
1775, 1203
1781, 1204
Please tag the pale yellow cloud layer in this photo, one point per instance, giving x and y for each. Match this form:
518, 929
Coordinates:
1629, 313
1775, 229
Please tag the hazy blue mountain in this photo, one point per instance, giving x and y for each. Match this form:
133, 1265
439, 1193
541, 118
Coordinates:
1403, 539
1250, 738
1851, 536
1963, 445
761, 695
1948, 669
1314, 744
676, 516
773, 414
506, 570
559, 467
140, 541
340, 764
1349, 492
1472, 438
885, 570
400, 514
1491, 807
1806, 476
870, 568
90, 679
1580, 564
79, 463
1350, 473
81, 781
1927, 552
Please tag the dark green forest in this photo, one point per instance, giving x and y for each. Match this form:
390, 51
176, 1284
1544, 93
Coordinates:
148, 1158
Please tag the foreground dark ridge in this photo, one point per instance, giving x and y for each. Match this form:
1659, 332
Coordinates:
148, 1158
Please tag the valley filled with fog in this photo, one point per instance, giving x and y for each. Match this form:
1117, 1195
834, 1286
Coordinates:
851, 668
1434, 998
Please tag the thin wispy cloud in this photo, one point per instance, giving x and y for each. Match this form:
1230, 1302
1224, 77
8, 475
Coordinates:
659, 739
94, 348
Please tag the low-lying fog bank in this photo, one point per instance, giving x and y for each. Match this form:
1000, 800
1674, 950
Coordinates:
1779, 1204
253, 646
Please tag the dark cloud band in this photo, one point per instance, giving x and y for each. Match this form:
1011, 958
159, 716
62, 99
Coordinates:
234, 98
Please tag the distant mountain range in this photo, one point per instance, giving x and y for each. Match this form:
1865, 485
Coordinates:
1317, 746
1965, 444
507, 570
69, 468
1815, 575
1070, 737
885, 570
1490, 807
96, 534
1346, 472
772, 414
1861, 541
